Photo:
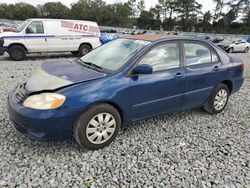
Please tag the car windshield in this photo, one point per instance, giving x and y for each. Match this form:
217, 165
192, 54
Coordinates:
22, 26
115, 54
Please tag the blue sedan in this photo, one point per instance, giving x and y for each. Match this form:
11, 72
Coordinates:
126, 80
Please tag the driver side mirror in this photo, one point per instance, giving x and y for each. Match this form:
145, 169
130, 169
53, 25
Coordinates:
143, 69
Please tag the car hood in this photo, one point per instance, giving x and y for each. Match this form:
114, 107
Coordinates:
8, 33
56, 74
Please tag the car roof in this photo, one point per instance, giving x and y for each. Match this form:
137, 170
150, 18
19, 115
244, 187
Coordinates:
150, 37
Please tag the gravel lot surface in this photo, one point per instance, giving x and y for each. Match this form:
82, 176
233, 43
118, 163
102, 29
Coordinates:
187, 149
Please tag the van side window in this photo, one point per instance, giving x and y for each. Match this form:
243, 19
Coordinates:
36, 27
163, 57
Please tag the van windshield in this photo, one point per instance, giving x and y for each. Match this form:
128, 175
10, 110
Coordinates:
115, 54
22, 26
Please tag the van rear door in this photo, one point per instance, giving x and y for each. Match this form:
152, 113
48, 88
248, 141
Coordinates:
35, 37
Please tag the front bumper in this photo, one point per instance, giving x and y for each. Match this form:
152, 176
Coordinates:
43, 125
2, 50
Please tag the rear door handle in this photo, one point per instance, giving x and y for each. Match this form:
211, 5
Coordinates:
179, 75
216, 68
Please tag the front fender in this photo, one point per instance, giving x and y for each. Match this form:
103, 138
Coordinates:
113, 90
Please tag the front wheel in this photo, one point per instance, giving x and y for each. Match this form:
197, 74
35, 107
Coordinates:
218, 100
97, 127
246, 49
17, 53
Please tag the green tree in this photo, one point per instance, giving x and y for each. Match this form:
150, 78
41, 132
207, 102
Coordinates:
54, 10
7, 11
141, 6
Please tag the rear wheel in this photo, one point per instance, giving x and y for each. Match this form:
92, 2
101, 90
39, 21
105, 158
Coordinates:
17, 53
84, 49
218, 100
75, 53
97, 127
246, 49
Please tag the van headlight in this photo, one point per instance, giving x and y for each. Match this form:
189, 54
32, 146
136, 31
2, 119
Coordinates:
45, 101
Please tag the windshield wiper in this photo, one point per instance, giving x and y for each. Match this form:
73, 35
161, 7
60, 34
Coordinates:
90, 65
93, 65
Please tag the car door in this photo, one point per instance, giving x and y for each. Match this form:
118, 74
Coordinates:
202, 67
238, 46
35, 37
163, 90
243, 45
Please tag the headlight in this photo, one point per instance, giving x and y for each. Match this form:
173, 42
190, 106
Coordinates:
44, 101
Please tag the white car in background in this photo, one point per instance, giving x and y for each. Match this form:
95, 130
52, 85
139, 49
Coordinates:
238, 46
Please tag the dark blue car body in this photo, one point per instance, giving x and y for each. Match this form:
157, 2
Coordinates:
136, 97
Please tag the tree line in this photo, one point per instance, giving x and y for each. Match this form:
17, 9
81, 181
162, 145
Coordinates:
228, 16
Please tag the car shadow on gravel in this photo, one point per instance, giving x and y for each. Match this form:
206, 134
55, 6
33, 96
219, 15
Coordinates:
41, 56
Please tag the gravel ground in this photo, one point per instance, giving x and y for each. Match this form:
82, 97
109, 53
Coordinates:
187, 149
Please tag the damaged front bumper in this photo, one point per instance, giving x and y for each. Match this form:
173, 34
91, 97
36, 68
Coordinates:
43, 125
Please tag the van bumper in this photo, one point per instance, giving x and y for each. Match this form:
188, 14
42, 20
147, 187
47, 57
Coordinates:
2, 50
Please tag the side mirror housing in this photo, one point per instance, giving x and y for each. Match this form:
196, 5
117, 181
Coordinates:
143, 69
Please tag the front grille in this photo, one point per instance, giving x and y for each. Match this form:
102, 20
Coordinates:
19, 93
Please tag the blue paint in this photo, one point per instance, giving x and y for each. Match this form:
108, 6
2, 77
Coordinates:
137, 96
74, 71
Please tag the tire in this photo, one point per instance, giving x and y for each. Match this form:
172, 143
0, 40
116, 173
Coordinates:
89, 121
17, 53
218, 100
75, 53
230, 50
246, 49
84, 49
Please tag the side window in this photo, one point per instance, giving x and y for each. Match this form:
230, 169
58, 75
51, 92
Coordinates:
36, 27
197, 54
162, 57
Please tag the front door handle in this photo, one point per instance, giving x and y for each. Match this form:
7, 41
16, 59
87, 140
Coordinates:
179, 75
216, 68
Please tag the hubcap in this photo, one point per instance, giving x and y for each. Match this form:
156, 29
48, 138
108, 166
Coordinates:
220, 99
17, 54
85, 51
100, 128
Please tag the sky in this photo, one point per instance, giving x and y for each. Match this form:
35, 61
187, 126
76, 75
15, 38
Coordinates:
207, 4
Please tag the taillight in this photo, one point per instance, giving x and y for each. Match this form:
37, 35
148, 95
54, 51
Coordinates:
242, 66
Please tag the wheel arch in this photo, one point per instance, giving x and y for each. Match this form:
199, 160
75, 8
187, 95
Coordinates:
113, 104
229, 84
17, 44
85, 43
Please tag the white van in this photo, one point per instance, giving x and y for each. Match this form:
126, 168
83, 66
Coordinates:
50, 35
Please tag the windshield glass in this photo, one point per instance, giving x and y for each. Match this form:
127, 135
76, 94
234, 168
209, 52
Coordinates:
22, 26
115, 54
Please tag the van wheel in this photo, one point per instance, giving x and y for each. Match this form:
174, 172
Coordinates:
84, 49
218, 100
75, 53
246, 50
17, 53
97, 127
